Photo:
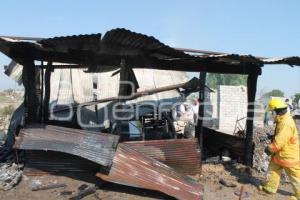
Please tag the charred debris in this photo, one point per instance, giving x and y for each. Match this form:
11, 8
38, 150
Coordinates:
46, 126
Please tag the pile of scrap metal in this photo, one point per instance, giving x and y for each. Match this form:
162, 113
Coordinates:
122, 163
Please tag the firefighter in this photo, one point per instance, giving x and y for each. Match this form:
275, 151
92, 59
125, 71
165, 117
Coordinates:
284, 150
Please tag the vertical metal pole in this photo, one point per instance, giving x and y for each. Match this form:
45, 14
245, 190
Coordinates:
199, 126
251, 88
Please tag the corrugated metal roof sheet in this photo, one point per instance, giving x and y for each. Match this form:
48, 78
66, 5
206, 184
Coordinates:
75, 42
148, 44
133, 168
96, 147
181, 154
294, 60
139, 51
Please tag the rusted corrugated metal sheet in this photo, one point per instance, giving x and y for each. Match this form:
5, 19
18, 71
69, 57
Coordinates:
181, 154
133, 168
93, 146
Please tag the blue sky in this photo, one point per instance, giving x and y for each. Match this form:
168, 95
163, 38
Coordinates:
262, 28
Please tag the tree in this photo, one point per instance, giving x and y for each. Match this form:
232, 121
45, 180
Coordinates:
274, 93
213, 80
296, 98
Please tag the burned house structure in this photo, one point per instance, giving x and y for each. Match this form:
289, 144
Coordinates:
121, 60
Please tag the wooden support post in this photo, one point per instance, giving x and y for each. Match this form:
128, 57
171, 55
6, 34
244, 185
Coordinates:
42, 77
251, 88
48, 72
199, 126
122, 92
31, 101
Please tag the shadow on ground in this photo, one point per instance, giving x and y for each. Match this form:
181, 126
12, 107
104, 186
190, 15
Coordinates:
107, 186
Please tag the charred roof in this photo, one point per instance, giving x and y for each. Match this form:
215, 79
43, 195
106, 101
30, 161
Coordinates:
138, 50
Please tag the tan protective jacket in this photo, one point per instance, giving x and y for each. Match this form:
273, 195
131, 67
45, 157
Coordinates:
285, 144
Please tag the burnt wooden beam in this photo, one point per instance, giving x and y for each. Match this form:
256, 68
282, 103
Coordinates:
31, 101
108, 61
39, 95
123, 91
48, 72
191, 85
251, 88
63, 66
199, 125
41, 113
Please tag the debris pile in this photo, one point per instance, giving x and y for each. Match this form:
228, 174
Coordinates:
298, 124
83, 192
10, 175
262, 137
4, 122
126, 163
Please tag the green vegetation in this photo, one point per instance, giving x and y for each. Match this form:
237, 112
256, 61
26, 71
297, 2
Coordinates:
213, 80
7, 110
296, 98
4, 99
274, 93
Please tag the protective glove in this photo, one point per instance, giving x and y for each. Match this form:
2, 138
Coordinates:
269, 136
267, 151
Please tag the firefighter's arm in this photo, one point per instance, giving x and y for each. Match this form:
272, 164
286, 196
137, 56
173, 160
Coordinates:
282, 136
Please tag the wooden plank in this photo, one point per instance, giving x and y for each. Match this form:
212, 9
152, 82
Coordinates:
199, 125
251, 88
31, 98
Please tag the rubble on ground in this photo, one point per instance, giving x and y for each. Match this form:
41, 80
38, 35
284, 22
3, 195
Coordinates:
10, 175
261, 140
4, 123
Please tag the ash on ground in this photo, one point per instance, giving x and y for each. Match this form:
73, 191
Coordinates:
10, 173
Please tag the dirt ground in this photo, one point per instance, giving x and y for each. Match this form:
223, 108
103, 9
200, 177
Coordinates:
240, 176
106, 191
213, 189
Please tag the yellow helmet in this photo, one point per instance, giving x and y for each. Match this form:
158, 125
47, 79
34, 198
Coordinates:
276, 103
